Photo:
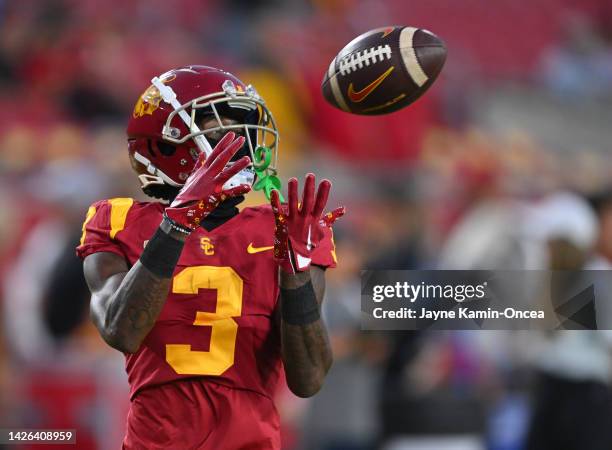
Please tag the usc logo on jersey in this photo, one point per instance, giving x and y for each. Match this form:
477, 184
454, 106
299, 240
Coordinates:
207, 246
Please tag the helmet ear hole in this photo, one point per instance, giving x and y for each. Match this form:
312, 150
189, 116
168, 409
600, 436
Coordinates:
150, 147
165, 148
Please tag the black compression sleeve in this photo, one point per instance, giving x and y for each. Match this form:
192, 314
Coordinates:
161, 254
299, 306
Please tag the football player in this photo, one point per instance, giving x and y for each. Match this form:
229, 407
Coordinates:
209, 304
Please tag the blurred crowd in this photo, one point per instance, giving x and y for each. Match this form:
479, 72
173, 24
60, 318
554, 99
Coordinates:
504, 164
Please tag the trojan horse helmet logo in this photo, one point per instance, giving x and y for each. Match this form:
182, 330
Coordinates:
150, 99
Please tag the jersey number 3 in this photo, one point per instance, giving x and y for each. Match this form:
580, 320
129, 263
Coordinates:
220, 356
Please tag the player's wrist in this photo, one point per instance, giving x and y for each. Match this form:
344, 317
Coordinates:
291, 262
299, 304
162, 253
293, 280
173, 229
188, 217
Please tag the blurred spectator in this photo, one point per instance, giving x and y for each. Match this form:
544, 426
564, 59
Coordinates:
573, 401
581, 65
602, 203
486, 236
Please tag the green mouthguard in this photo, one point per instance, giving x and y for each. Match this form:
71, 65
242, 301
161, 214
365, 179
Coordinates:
266, 181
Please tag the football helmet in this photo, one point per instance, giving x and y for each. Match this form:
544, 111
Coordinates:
165, 135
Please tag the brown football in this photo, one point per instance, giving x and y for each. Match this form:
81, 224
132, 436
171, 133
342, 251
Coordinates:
384, 70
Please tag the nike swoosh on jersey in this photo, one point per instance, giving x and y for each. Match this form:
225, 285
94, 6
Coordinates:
359, 96
251, 249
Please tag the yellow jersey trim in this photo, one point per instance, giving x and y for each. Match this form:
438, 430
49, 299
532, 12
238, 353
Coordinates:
118, 214
90, 213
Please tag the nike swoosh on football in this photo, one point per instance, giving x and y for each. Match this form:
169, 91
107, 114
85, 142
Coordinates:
251, 249
359, 96
387, 31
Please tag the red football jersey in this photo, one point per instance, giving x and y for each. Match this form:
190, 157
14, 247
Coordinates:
205, 374
218, 320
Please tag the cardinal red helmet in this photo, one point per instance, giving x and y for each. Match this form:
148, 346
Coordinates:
163, 144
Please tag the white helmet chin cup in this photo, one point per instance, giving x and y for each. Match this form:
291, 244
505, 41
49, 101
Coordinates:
147, 180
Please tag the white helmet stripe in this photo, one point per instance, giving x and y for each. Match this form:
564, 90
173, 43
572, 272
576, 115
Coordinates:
169, 97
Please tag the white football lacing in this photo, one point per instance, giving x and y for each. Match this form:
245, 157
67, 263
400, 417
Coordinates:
356, 60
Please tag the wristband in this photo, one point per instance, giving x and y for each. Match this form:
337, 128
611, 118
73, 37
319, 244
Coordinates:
299, 306
161, 254
176, 227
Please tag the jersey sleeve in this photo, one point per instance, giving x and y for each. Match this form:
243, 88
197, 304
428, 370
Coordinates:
103, 221
324, 255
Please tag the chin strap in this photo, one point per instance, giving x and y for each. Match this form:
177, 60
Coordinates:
155, 176
169, 96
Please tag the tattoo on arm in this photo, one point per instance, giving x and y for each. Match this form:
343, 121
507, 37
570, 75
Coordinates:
143, 298
306, 351
134, 308
126, 303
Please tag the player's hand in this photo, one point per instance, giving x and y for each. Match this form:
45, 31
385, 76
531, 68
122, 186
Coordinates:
299, 226
203, 190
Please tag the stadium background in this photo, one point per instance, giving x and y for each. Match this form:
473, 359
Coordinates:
521, 111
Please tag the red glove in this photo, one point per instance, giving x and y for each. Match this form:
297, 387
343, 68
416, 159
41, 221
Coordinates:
299, 229
203, 190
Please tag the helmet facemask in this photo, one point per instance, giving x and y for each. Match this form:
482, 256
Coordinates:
256, 124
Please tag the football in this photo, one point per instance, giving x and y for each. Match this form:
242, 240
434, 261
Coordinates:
384, 70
